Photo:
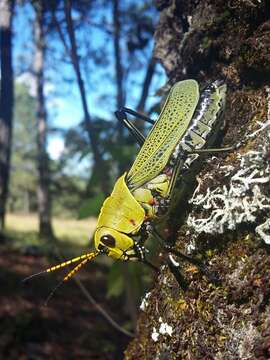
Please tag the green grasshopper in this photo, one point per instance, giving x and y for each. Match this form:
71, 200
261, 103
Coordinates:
187, 125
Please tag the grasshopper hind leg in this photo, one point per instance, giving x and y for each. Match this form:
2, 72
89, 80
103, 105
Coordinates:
121, 116
138, 115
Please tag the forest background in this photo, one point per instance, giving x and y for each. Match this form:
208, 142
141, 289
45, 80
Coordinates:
66, 66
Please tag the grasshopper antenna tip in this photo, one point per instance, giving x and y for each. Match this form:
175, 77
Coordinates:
33, 275
52, 293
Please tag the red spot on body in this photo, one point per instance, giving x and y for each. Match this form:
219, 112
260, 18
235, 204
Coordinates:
152, 201
132, 221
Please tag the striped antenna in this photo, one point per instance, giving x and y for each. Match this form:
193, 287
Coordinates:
79, 266
87, 257
72, 273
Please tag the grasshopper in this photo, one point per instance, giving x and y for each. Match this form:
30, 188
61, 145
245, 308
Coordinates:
187, 125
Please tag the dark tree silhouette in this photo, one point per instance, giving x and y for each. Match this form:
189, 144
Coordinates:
99, 163
44, 198
6, 102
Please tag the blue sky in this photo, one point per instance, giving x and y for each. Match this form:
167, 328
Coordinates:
62, 98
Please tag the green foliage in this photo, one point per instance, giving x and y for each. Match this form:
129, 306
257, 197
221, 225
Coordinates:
91, 207
115, 280
123, 275
67, 189
24, 152
67, 192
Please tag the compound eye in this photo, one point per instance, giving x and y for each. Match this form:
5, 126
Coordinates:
108, 240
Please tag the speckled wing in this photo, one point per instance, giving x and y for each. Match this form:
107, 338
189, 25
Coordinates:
168, 130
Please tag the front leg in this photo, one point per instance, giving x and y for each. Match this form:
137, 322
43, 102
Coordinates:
177, 274
141, 256
202, 267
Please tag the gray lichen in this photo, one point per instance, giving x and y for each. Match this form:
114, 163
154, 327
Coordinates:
245, 196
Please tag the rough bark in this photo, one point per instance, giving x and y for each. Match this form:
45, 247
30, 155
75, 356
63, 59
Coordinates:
44, 199
6, 102
227, 220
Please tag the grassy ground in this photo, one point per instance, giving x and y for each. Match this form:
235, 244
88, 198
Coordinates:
70, 230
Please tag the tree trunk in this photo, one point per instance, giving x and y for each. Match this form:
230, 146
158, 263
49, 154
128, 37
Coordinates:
99, 163
150, 71
227, 222
119, 73
6, 102
44, 198
117, 55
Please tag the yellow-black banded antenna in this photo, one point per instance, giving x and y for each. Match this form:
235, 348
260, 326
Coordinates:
89, 257
80, 265
85, 257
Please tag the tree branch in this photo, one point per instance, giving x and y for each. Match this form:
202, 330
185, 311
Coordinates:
146, 84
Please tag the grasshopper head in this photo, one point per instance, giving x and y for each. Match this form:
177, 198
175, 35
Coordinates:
115, 244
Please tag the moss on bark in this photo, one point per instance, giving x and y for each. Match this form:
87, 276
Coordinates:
230, 320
